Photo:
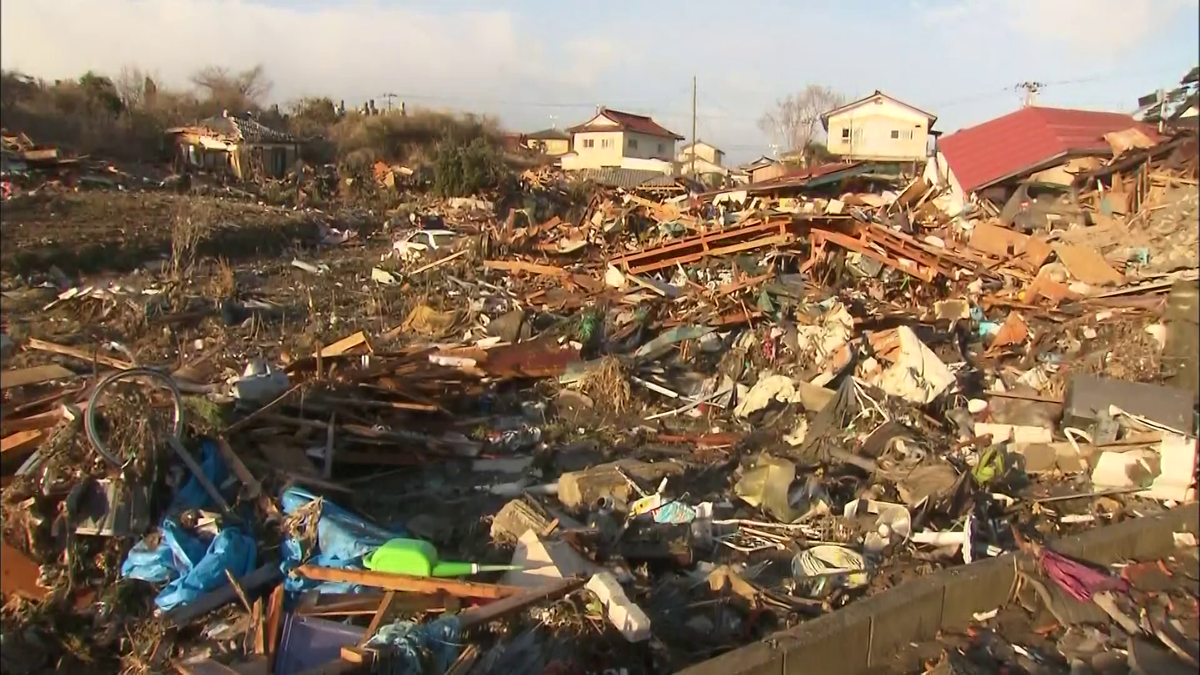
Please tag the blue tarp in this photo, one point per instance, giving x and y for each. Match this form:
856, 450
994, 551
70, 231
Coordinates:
413, 643
342, 540
187, 563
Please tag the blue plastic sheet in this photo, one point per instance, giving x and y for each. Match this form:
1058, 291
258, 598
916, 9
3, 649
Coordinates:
192, 495
189, 565
410, 642
342, 540
230, 550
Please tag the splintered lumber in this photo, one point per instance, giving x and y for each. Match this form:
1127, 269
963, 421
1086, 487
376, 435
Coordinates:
185, 614
344, 345
714, 243
20, 443
34, 375
522, 266
438, 262
53, 348
494, 610
410, 584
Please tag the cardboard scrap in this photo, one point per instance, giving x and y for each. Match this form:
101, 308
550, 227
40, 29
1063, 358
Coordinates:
1014, 331
1087, 265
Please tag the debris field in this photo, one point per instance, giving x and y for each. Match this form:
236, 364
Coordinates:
563, 427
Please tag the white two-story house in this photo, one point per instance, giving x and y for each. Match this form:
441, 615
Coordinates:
878, 128
619, 139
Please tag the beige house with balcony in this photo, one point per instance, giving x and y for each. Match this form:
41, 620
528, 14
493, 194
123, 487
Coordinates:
878, 128
703, 151
552, 142
619, 139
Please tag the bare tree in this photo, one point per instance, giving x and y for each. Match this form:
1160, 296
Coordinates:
131, 86
792, 123
236, 93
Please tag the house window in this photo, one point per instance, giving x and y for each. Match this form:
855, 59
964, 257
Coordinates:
589, 142
606, 143
895, 133
846, 134
661, 149
633, 144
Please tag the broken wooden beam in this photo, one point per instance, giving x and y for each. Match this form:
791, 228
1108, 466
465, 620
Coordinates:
494, 610
181, 616
410, 584
522, 266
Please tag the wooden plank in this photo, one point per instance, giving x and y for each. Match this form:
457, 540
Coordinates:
257, 625
494, 610
254, 489
522, 266
19, 574
438, 262
384, 605
185, 614
274, 622
410, 584
344, 345
21, 443
780, 239
53, 348
34, 375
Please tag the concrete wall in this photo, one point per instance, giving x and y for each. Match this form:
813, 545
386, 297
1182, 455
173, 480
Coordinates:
868, 633
937, 172
645, 146
550, 146
866, 132
703, 166
597, 149
703, 151
767, 172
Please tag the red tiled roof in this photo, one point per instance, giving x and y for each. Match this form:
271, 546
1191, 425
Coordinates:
628, 122
981, 155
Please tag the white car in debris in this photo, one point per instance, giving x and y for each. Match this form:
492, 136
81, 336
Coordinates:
414, 244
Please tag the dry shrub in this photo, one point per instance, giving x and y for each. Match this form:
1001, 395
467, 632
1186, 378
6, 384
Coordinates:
608, 385
189, 227
122, 119
224, 282
364, 139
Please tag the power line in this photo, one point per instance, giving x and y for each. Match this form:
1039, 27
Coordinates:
994, 93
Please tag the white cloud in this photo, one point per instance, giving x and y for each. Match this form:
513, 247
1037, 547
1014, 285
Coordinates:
1089, 29
1096, 27
353, 49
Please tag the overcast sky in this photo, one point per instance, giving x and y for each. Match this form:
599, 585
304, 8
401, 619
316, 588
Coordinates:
537, 63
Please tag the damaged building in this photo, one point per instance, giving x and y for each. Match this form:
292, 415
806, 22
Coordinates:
239, 146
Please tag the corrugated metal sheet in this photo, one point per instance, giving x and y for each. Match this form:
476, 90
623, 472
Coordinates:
626, 179
981, 155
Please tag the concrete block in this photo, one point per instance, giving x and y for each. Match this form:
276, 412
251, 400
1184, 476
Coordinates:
835, 644
1088, 394
1147, 537
978, 587
759, 658
579, 489
622, 612
544, 561
911, 612
876, 628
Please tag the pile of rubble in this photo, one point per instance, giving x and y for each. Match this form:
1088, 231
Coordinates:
648, 424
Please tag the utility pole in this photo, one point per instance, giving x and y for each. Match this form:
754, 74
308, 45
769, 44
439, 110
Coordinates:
389, 98
1031, 92
693, 170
